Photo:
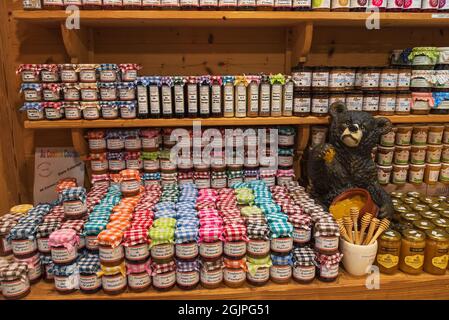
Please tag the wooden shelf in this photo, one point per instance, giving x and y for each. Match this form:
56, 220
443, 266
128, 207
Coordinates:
399, 286
120, 18
119, 123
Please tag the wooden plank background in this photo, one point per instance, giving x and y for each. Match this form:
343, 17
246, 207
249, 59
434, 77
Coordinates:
167, 51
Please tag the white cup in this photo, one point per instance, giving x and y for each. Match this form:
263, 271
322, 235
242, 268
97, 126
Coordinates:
358, 259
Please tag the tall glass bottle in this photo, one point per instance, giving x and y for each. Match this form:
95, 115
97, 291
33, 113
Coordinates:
154, 84
192, 97
167, 97
204, 91
143, 110
179, 98
228, 96
216, 96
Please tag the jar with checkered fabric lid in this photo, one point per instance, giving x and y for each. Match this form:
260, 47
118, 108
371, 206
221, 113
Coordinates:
14, 280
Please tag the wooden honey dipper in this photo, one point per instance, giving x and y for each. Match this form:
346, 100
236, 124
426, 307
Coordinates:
342, 229
354, 214
372, 228
347, 222
366, 220
383, 226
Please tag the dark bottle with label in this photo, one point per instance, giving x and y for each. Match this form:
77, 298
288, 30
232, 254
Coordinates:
216, 96
143, 110
204, 91
192, 97
167, 97
154, 84
179, 97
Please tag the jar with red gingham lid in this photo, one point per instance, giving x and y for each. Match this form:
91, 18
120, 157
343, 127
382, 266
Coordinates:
130, 183
53, 110
129, 71
97, 141
49, 73
51, 91
52, 4
164, 275
328, 266
29, 72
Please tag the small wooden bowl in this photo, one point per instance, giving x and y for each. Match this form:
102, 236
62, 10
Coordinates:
369, 206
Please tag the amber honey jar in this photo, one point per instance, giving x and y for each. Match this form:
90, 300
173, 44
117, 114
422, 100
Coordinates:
388, 252
413, 244
423, 225
436, 253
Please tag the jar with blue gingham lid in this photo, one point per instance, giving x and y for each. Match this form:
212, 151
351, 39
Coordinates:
34, 110
32, 92
108, 72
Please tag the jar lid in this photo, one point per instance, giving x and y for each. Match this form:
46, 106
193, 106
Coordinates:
441, 222
414, 235
424, 225
410, 216
409, 200
429, 214
390, 235
420, 207
401, 208
396, 194
438, 235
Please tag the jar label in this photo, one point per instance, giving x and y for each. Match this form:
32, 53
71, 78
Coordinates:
285, 161
127, 113
74, 208
204, 99
187, 279
108, 254
254, 98
320, 106
115, 144
97, 144
155, 104
388, 80
302, 105
433, 176
35, 114
435, 137
150, 143
162, 251
31, 95
400, 176
99, 165
108, 75
137, 252
211, 250
91, 243
286, 140
67, 283
387, 260
42, 245
211, 277
265, 98
404, 79
415, 261
370, 80
167, 165
326, 244
281, 272
89, 94
301, 236
72, 113
261, 275
440, 262
142, 99
284, 181
329, 272
151, 165
179, 99
276, 98
216, 99
49, 76
337, 79
416, 176
91, 113
129, 186
387, 104
403, 138
117, 165
302, 79
234, 275
186, 250
164, 280
90, 282
166, 100
114, 283
127, 94
23, 247
235, 249
12, 289
53, 114
218, 183
108, 94
258, 247
282, 244
29, 76
304, 273
354, 103
320, 79
63, 255
370, 103
401, 157
139, 281
69, 76
202, 183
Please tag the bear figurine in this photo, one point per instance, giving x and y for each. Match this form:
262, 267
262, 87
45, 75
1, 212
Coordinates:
346, 162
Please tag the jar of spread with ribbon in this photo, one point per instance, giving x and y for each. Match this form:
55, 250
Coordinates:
89, 281
14, 280
113, 279
234, 272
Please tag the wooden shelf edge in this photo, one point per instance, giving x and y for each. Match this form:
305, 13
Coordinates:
261, 121
228, 18
398, 286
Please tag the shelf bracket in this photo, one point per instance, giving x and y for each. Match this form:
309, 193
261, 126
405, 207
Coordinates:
78, 43
300, 42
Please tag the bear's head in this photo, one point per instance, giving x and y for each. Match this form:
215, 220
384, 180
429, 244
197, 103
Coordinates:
355, 129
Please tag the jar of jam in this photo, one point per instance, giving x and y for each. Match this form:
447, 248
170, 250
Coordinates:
320, 104
371, 79
114, 281
32, 92
139, 276
187, 274
302, 78
63, 245
421, 79
404, 76
388, 252
89, 281
14, 280
234, 272
436, 252
304, 265
337, 79
371, 102
211, 274
66, 278
163, 253
265, 96
387, 103
258, 270
413, 244
388, 79
354, 100
403, 102
328, 267
302, 104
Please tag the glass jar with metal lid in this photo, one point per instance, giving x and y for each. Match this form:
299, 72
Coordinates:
320, 79
408, 218
426, 200
423, 225
411, 259
444, 214
388, 252
429, 215
370, 79
413, 194
419, 207
302, 78
337, 79
409, 200
397, 194
436, 253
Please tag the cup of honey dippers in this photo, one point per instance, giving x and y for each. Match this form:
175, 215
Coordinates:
413, 244
388, 252
436, 253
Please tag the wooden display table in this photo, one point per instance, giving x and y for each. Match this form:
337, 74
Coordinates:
399, 286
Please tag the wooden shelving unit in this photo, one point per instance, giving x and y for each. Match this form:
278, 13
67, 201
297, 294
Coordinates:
142, 18
398, 286
208, 122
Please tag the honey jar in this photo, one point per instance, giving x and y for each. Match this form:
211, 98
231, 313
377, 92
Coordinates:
388, 252
423, 225
436, 253
411, 259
